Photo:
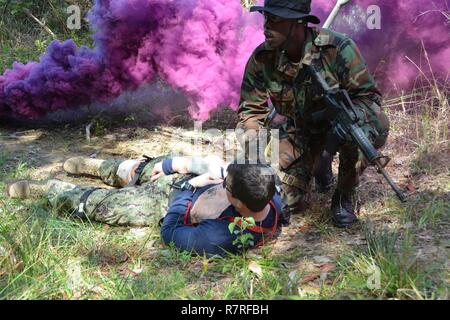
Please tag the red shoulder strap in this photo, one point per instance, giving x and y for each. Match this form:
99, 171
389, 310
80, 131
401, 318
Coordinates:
186, 214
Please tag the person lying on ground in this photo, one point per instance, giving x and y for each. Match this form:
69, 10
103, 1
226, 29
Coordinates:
193, 199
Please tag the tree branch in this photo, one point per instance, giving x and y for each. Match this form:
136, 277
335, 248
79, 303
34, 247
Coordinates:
47, 29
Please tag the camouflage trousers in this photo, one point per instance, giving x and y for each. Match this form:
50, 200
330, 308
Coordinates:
299, 156
140, 205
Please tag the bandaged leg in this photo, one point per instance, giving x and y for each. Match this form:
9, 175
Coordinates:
118, 173
126, 171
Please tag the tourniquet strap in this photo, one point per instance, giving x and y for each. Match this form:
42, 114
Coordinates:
139, 171
81, 213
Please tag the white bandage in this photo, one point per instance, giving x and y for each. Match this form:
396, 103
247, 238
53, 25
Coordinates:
125, 170
215, 175
201, 165
215, 171
216, 167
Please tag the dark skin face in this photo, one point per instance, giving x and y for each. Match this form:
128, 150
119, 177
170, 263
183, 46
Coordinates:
276, 31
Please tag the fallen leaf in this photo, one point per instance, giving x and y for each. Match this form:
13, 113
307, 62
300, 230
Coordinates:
19, 266
411, 187
322, 259
309, 278
327, 267
255, 268
304, 228
128, 272
137, 271
138, 232
96, 289
197, 265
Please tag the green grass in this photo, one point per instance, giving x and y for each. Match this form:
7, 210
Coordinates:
433, 212
41, 248
387, 268
44, 255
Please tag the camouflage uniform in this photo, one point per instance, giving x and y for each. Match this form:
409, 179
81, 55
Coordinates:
269, 74
141, 205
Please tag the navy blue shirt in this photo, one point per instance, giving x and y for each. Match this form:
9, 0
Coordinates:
211, 237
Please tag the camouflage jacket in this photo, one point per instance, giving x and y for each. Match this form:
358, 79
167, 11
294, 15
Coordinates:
269, 74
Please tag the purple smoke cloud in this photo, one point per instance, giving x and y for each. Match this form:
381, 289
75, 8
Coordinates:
198, 46
404, 25
201, 46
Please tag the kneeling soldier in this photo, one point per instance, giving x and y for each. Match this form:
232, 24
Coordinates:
279, 71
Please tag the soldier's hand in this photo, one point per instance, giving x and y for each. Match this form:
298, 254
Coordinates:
204, 180
341, 133
157, 172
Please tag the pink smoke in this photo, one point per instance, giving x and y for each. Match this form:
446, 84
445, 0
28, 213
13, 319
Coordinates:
197, 46
201, 46
405, 24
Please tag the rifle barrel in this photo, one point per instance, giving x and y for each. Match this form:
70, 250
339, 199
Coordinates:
393, 185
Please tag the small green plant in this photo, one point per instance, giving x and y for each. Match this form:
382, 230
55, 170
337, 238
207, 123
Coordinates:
21, 170
243, 240
100, 126
41, 45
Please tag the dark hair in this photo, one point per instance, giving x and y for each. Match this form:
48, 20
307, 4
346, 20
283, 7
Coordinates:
253, 184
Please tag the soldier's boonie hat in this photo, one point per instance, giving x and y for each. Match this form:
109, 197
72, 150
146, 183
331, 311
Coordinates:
288, 9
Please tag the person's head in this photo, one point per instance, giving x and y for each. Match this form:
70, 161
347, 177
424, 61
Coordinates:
285, 19
249, 186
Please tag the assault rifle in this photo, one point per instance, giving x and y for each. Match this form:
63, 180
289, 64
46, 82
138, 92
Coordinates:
341, 112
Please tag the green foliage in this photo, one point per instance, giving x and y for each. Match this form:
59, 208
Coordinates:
243, 240
390, 257
433, 212
100, 126
21, 171
18, 7
22, 39
41, 45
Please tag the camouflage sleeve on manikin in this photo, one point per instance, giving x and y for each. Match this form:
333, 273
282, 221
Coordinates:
253, 108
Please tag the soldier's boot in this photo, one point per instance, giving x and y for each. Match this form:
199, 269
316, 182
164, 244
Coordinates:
23, 189
342, 210
83, 166
323, 175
